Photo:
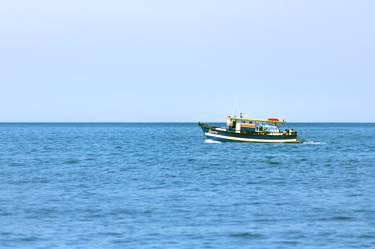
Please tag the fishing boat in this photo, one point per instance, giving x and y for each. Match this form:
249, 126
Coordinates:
244, 129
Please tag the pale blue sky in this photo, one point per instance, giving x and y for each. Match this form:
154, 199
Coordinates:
186, 60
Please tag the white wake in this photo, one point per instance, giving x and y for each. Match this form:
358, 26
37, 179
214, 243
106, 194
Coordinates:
312, 142
210, 141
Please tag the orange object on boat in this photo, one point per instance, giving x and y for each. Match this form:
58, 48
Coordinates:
273, 119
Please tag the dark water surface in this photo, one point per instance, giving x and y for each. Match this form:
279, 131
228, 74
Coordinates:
162, 186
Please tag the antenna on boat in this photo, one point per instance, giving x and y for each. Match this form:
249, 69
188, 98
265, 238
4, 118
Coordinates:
234, 107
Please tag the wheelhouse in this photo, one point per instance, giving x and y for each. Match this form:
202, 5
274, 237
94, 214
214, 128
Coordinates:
245, 124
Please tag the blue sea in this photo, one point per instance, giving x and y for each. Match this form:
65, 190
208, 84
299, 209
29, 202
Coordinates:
161, 185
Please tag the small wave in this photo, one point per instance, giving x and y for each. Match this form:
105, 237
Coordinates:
72, 161
342, 218
312, 142
273, 162
249, 235
210, 141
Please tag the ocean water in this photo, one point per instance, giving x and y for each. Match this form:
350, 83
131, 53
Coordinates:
164, 186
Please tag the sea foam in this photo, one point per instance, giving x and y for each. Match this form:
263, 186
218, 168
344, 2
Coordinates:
210, 141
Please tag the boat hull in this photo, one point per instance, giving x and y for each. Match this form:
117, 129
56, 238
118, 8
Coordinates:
224, 135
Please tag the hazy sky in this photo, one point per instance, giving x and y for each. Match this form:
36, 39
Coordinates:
187, 60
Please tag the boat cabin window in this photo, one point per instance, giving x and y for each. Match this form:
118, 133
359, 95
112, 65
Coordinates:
271, 128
